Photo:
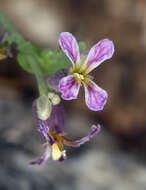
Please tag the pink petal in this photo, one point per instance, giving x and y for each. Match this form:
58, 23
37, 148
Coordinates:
99, 53
69, 87
95, 96
94, 130
70, 46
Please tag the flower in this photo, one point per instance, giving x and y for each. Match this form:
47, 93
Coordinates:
69, 86
55, 137
5, 50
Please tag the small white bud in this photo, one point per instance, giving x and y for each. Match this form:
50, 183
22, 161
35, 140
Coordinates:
54, 98
50, 95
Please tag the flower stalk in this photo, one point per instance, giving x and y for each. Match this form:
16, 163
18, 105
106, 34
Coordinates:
42, 83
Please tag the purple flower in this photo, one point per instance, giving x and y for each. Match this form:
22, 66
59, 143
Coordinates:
69, 86
5, 50
55, 137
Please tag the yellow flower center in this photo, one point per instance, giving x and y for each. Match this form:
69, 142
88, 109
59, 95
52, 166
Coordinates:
81, 78
79, 71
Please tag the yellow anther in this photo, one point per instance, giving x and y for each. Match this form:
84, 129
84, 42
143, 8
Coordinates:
56, 153
79, 77
57, 147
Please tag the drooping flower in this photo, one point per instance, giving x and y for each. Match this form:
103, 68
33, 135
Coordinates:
69, 86
45, 102
55, 136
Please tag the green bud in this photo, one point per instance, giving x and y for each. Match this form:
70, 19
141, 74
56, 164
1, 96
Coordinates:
44, 107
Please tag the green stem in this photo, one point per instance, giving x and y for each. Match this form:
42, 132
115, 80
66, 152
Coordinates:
42, 84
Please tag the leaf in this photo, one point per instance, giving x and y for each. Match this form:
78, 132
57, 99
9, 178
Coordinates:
22, 60
52, 61
27, 49
49, 61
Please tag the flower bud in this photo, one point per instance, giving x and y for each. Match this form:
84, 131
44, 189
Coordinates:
5, 49
54, 98
44, 107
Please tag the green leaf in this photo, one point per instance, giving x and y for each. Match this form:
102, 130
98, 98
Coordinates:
14, 37
22, 60
49, 61
27, 49
53, 61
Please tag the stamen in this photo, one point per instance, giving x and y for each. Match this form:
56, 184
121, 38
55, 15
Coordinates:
56, 153
79, 77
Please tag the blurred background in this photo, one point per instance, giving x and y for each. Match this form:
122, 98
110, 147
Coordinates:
115, 158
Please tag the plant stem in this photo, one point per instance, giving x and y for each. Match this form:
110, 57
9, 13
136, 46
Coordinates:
42, 84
